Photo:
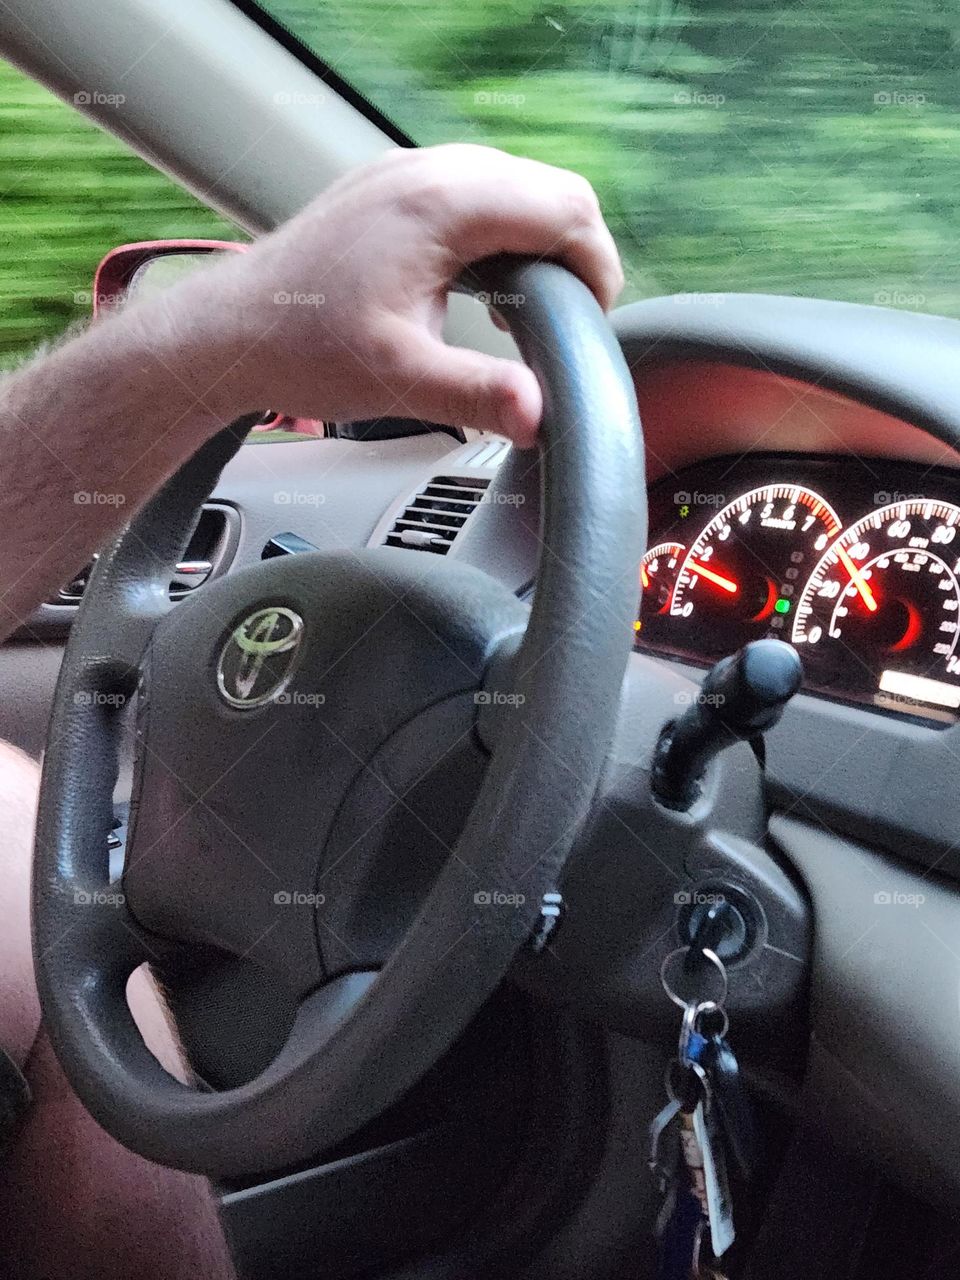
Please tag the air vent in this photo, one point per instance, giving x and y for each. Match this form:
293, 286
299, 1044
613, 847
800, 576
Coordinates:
436, 515
205, 553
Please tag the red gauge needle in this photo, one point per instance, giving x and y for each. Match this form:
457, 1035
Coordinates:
858, 580
726, 584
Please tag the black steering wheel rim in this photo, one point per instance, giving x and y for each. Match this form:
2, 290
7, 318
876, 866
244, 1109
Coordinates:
342, 1066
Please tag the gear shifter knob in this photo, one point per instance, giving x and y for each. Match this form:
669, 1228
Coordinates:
741, 697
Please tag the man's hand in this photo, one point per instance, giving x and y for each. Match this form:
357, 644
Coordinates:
338, 314
89, 431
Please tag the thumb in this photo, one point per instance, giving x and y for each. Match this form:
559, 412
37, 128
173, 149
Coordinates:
462, 388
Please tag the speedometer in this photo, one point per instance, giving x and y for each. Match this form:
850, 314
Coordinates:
881, 609
739, 579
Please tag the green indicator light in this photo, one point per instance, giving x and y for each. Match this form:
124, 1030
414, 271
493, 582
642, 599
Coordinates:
782, 606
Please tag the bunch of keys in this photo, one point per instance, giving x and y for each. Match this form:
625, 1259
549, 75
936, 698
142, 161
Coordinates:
706, 1121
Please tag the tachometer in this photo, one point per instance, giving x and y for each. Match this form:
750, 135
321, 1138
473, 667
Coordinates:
881, 609
658, 574
739, 579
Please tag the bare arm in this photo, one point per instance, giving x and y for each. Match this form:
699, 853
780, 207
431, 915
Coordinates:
89, 431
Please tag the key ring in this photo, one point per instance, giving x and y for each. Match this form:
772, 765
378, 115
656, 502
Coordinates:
678, 1095
692, 1014
675, 996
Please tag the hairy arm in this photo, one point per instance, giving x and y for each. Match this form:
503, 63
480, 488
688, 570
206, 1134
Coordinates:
87, 433
90, 430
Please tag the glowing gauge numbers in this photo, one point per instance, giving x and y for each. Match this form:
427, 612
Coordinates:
658, 574
740, 577
881, 608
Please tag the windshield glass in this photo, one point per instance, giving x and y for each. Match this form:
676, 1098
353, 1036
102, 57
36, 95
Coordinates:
809, 149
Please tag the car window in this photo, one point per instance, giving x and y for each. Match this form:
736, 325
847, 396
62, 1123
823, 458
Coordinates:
68, 193
811, 148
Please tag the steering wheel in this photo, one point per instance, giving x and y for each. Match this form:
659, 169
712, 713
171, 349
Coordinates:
261, 701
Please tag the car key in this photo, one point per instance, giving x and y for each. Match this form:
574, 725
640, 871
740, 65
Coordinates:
717, 1200
681, 1220
731, 1102
696, 1220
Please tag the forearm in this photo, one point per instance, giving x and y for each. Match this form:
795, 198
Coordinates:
87, 433
91, 430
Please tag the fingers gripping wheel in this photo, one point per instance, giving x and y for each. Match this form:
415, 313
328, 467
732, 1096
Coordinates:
356, 1043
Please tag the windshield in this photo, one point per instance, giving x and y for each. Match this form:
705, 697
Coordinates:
809, 149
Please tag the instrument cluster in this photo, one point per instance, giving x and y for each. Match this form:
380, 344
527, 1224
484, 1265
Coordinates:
855, 562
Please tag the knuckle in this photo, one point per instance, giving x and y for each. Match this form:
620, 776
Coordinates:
428, 200
583, 207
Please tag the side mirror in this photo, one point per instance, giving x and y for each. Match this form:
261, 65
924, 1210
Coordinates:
139, 270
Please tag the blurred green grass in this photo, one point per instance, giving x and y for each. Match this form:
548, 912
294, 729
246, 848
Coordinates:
809, 149
68, 193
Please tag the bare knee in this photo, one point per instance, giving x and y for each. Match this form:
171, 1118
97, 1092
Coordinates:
19, 1010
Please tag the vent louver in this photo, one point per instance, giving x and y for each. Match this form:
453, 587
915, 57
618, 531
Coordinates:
205, 550
436, 515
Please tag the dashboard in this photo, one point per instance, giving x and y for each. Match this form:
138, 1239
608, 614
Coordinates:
800, 469
854, 561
